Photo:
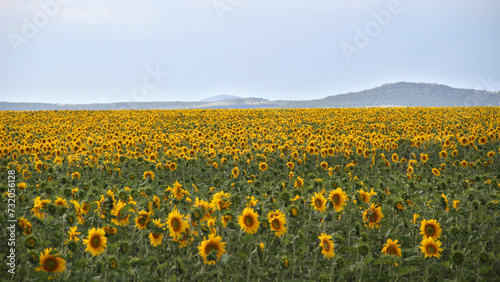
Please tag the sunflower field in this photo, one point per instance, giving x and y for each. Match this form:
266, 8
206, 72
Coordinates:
251, 195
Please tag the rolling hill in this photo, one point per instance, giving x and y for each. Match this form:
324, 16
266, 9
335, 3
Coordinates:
405, 94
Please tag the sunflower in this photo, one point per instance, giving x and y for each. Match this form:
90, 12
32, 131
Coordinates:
392, 248
444, 202
410, 169
327, 245
430, 229
212, 244
277, 222
443, 154
463, 141
436, 172
118, 211
235, 172
72, 234
464, 164
76, 174
324, 165
142, 220
318, 201
299, 182
248, 220
395, 158
263, 166
22, 185
482, 140
399, 206
294, 210
252, 202
177, 192
61, 202
366, 196
51, 263
149, 174
172, 166
455, 204
96, 241
490, 155
424, 157
176, 224
156, 238
290, 165
373, 215
338, 199
430, 247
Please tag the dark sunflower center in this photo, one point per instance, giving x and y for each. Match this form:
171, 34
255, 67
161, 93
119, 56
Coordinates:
392, 250
429, 231
210, 247
318, 203
30, 242
373, 217
95, 242
142, 221
326, 246
336, 199
50, 264
276, 224
248, 221
431, 249
176, 224
156, 236
197, 215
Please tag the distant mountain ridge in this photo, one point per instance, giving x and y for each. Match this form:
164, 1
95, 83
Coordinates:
219, 98
405, 94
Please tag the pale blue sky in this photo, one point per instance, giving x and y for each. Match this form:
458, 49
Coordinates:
101, 51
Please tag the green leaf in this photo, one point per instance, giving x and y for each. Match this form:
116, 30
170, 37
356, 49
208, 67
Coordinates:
224, 258
404, 270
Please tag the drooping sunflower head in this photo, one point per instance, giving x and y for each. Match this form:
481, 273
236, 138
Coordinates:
51, 262
392, 248
399, 206
430, 247
155, 239
430, 229
444, 202
96, 241
142, 220
248, 220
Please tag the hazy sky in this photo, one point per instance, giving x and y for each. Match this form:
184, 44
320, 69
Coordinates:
101, 51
